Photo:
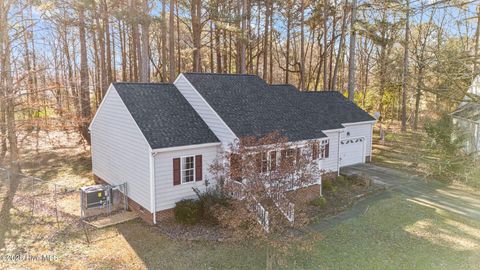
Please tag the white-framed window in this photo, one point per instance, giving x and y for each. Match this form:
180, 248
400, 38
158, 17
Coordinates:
188, 169
324, 149
289, 155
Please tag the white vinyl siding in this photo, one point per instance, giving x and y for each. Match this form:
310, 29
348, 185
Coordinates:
360, 130
472, 132
166, 193
330, 164
120, 152
211, 118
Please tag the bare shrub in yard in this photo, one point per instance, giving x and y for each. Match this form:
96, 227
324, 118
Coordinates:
266, 166
208, 201
237, 220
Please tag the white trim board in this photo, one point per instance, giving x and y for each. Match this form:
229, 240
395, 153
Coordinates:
100, 106
185, 147
360, 123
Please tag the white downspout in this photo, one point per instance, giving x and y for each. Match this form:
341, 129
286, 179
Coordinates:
320, 165
152, 187
338, 153
371, 143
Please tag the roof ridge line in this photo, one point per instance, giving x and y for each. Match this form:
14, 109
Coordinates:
152, 83
219, 74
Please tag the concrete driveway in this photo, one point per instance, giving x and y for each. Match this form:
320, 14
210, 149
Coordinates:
454, 198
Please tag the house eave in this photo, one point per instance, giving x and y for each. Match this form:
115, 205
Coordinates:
184, 147
360, 123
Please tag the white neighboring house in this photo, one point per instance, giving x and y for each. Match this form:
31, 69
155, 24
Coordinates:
161, 138
467, 117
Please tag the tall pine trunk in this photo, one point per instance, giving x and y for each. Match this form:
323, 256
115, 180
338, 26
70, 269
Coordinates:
339, 59
302, 45
351, 62
6, 84
405, 69
84, 85
265, 39
171, 42
144, 52
325, 46
164, 40
195, 10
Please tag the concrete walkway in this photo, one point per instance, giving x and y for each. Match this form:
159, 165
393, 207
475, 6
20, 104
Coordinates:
452, 198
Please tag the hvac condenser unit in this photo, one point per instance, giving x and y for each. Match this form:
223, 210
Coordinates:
96, 196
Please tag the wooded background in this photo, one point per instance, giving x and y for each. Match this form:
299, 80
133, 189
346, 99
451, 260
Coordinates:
403, 58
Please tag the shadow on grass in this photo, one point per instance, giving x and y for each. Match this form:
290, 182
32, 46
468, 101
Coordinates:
6, 206
50, 165
160, 252
396, 233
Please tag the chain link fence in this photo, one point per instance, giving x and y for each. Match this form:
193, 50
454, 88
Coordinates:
31, 203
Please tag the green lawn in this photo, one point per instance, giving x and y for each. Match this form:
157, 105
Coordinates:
396, 233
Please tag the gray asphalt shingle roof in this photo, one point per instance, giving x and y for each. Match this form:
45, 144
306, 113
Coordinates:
163, 115
251, 107
247, 104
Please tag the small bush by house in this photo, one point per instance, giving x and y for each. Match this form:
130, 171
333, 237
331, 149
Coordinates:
208, 201
187, 211
319, 202
327, 184
341, 180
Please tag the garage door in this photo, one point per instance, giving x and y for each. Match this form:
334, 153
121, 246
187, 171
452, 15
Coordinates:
352, 151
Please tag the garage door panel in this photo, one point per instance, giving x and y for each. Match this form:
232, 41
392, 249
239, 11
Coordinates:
352, 151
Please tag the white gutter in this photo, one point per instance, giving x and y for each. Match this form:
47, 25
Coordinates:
360, 123
333, 130
152, 187
185, 147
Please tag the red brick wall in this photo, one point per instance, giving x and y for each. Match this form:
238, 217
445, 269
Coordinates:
304, 195
165, 214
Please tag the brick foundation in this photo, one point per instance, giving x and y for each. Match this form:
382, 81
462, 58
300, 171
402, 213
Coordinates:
304, 195
165, 214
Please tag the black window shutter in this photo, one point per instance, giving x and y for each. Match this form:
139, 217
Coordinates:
176, 171
327, 150
273, 160
198, 168
283, 155
258, 162
315, 151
